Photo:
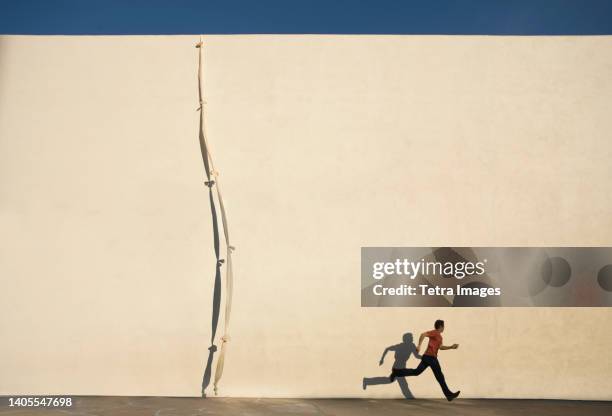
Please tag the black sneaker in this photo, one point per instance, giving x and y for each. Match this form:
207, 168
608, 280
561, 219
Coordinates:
392, 376
453, 396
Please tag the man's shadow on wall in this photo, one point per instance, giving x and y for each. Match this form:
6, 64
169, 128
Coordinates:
402, 353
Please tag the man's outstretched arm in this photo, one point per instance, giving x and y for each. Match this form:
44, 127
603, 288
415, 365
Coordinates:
421, 338
449, 347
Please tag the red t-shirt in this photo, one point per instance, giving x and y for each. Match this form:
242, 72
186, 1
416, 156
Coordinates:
435, 341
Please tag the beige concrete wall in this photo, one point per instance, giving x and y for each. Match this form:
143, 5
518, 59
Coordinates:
324, 144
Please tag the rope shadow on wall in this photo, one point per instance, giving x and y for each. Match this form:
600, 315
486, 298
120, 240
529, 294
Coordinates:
212, 181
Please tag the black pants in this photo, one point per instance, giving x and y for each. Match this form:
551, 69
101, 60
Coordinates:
426, 361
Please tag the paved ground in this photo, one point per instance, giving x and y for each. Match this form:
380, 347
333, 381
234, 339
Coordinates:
168, 406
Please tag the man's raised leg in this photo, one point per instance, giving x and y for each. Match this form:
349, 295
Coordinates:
404, 372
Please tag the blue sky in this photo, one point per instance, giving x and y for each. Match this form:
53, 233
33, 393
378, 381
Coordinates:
492, 17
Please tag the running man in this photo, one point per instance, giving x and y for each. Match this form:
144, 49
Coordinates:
430, 359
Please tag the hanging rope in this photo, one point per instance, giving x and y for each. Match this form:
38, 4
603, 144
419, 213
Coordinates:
212, 181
